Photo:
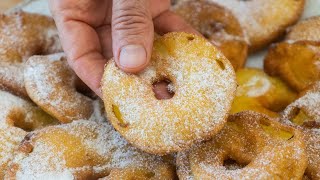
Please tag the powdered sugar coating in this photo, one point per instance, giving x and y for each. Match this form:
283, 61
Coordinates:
218, 25
21, 36
264, 21
16, 113
309, 105
50, 83
10, 137
295, 62
204, 84
306, 30
105, 150
265, 148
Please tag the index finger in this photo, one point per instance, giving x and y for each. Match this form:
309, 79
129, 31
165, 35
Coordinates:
82, 47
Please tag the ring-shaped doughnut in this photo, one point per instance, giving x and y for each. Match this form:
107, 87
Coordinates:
83, 150
51, 84
203, 82
23, 35
16, 117
251, 146
304, 114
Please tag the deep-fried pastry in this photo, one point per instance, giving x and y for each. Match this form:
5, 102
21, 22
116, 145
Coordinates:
219, 26
51, 84
83, 150
202, 81
264, 20
23, 35
306, 30
16, 117
261, 93
304, 114
250, 146
296, 63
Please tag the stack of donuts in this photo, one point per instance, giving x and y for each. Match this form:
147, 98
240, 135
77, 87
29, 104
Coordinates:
223, 120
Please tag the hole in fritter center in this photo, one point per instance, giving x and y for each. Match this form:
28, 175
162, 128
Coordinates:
163, 89
18, 119
231, 164
300, 117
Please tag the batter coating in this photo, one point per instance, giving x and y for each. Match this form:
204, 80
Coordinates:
264, 21
203, 83
16, 117
82, 150
251, 146
51, 84
295, 63
306, 30
23, 35
10, 137
304, 114
261, 93
219, 26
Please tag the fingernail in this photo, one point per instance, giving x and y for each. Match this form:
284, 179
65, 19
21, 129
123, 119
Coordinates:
132, 56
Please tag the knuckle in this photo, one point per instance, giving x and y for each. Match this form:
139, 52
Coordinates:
131, 16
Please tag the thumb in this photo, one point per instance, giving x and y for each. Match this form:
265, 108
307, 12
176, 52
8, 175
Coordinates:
132, 34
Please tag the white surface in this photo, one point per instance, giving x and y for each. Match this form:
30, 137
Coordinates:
34, 6
255, 60
312, 9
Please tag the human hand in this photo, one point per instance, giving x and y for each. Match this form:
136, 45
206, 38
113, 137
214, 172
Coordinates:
92, 31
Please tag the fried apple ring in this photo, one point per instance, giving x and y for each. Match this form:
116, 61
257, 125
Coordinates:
304, 114
295, 63
306, 30
264, 21
83, 150
16, 117
51, 84
203, 83
219, 26
261, 93
23, 35
259, 147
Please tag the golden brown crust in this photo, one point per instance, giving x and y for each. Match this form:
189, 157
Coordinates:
83, 150
262, 149
141, 174
204, 84
219, 26
264, 21
23, 35
306, 30
51, 84
304, 114
296, 63
9, 141
16, 117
